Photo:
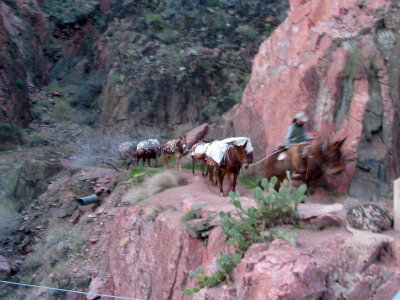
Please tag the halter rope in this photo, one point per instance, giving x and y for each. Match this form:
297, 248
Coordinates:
260, 161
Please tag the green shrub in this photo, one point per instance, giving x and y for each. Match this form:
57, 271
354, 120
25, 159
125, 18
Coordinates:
69, 11
134, 173
249, 226
13, 130
225, 264
168, 36
189, 215
116, 78
357, 65
155, 21
133, 53
191, 14
247, 32
206, 64
212, 3
62, 111
248, 183
236, 96
354, 64
20, 83
37, 139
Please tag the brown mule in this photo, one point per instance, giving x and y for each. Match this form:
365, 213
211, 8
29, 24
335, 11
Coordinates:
321, 159
235, 158
147, 154
174, 148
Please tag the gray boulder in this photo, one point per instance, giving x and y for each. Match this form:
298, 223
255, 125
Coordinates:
369, 217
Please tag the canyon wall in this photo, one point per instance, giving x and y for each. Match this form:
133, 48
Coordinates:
337, 61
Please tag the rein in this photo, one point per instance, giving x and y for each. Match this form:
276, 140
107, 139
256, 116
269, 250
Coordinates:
260, 161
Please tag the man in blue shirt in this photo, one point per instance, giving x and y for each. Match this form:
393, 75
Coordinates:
294, 136
296, 133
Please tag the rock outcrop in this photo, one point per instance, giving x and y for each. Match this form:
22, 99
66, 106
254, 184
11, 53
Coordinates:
33, 178
337, 61
158, 253
146, 252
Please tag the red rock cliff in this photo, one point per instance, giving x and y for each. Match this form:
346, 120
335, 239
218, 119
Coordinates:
335, 60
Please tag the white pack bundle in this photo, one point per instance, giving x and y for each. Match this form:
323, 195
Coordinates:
216, 150
151, 143
240, 141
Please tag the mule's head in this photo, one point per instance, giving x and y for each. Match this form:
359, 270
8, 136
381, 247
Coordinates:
241, 155
182, 140
334, 158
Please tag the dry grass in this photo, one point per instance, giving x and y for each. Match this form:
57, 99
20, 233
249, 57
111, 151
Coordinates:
153, 185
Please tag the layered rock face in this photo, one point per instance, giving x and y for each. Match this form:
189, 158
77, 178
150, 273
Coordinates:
337, 61
20, 52
39, 42
179, 62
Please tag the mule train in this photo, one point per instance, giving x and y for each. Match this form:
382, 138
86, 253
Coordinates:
225, 158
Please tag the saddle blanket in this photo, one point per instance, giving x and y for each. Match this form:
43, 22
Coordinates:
240, 141
151, 143
170, 146
216, 150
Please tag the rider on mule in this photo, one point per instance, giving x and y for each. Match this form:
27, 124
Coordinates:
296, 135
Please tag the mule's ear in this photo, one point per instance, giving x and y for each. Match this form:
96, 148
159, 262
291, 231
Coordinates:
340, 142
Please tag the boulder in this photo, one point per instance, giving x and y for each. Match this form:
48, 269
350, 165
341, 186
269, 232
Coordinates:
5, 269
370, 217
320, 216
197, 227
196, 134
95, 287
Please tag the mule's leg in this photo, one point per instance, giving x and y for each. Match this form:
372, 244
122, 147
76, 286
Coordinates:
221, 181
178, 161
128, 164
229, 178
205, 165
210, 174
216, 178
165, 159
234, 179
193, 164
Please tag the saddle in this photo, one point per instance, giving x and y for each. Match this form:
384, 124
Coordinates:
170, 146
296, 154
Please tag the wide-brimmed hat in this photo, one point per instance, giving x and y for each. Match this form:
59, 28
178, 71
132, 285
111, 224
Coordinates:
301, 117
